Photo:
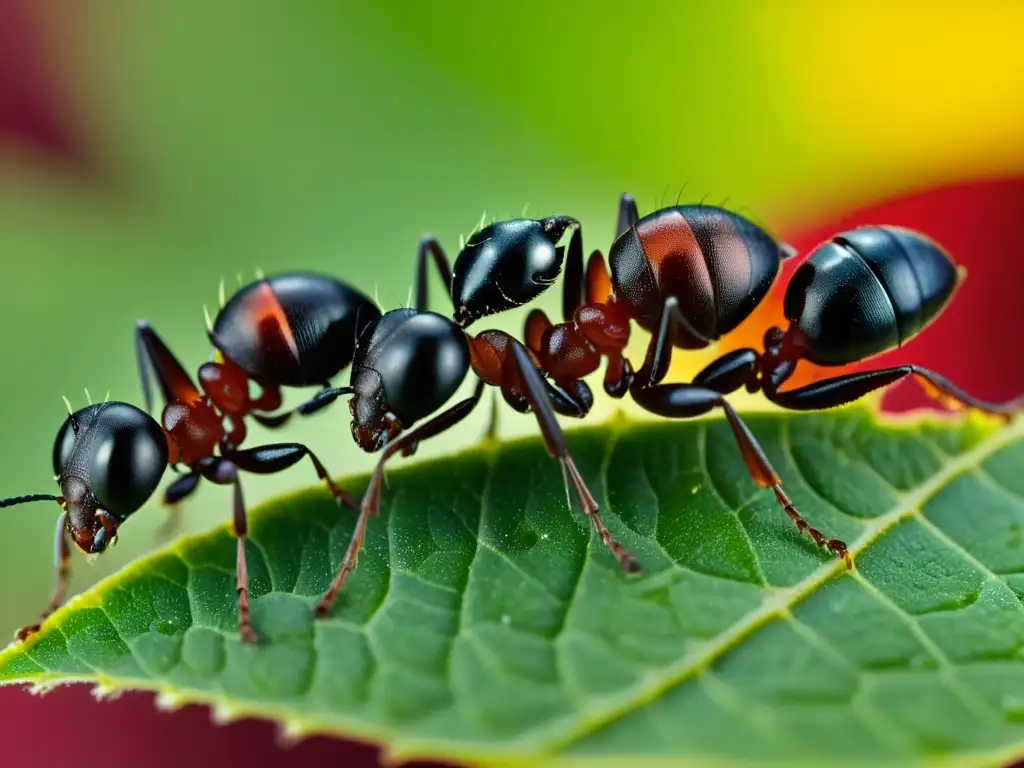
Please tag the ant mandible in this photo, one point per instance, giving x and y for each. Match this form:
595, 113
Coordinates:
690, 274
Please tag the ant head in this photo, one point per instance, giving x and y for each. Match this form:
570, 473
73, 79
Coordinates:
506, 265
408, 364
108, 459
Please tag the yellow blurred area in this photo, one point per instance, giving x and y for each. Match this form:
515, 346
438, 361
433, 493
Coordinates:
904, 93
888, 97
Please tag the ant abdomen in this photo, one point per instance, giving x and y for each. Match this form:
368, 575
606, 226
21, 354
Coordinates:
718, 265
867, 291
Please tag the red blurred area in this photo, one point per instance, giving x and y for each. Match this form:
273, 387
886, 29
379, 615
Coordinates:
34, 114
975, 343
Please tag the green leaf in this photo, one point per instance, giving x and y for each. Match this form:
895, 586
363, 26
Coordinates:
486, 623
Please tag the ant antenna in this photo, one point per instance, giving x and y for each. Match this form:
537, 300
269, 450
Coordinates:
68, 404
31, 497
88, 397
220, 294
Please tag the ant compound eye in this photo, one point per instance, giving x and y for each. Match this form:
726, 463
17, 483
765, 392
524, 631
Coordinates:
127, 457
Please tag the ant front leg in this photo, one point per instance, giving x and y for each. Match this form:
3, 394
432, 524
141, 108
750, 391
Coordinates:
370, 507
270, 459
680, 401
62, 565
840, 390
430, 248
554, 441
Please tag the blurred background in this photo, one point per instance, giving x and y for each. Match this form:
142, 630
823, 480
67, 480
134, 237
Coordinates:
149, 150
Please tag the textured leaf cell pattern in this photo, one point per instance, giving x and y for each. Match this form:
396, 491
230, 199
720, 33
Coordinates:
486, 621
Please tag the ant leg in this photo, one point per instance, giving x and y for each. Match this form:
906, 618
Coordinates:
491, 432
628, 215
682, 401
62, 563
729, 372
269, 459
430, 247
554, 440
320, 400
224, 472
174, 381
573, 282
659, 351
841, 390
370, 507
537, 323
174, 494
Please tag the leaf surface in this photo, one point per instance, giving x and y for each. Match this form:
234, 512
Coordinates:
487, 623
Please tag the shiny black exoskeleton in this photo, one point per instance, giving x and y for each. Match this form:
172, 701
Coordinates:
716, 264
108, 459
409, 364
292, 330
504, 265
868, 291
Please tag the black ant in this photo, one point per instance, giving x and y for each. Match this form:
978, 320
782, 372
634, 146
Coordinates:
292, 330
409, 362
689, 275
